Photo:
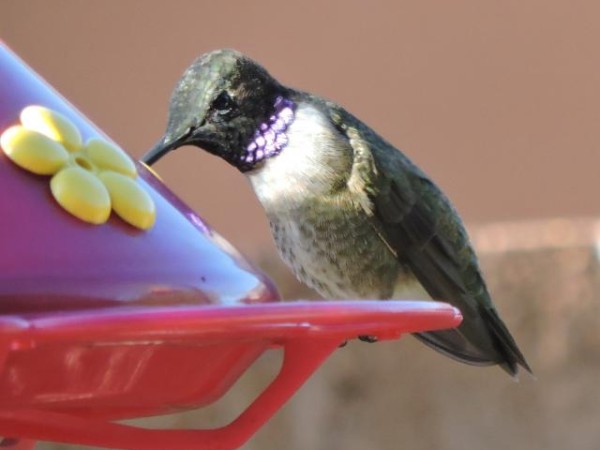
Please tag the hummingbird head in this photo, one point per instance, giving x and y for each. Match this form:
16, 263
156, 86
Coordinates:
230, 106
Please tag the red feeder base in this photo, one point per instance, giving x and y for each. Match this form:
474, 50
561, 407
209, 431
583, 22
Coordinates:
124, 364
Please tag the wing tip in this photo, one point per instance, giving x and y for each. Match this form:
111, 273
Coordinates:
513, 358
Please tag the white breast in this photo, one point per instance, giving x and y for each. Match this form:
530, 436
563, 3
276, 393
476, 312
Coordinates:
306, 167
316, 225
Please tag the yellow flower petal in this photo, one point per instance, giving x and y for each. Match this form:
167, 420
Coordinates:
133, 204
33, 151
82, 194
52, 124
108, 156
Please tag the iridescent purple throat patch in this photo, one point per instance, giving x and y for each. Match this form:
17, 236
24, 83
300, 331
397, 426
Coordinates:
271, 138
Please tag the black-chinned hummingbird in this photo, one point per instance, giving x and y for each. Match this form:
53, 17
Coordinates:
350, 214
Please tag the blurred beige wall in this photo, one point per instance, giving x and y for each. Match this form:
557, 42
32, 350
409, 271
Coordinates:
498, 101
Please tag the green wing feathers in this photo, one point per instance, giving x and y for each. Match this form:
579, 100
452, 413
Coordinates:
419, 224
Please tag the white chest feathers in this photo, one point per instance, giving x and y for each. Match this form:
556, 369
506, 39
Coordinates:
313, 161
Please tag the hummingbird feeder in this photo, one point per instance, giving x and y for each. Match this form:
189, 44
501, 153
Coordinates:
118, 302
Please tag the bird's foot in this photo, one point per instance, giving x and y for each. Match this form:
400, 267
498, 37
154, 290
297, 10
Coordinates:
368, 338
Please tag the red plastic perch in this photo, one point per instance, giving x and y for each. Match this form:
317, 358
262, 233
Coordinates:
118, 364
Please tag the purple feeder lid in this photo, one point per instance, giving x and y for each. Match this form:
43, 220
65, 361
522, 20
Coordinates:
52, 261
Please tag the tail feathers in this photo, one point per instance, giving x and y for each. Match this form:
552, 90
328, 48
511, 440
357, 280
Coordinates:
507, 345
488, 345
455, 345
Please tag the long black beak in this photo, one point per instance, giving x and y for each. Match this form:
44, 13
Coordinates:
160, 150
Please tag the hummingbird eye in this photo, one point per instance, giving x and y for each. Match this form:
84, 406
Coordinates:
223, 104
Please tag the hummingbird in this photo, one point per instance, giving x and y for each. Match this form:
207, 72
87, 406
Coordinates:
350, 214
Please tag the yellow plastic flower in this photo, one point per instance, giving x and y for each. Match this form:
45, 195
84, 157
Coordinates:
88, 180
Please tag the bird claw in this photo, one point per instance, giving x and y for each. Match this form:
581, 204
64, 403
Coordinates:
368, 338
